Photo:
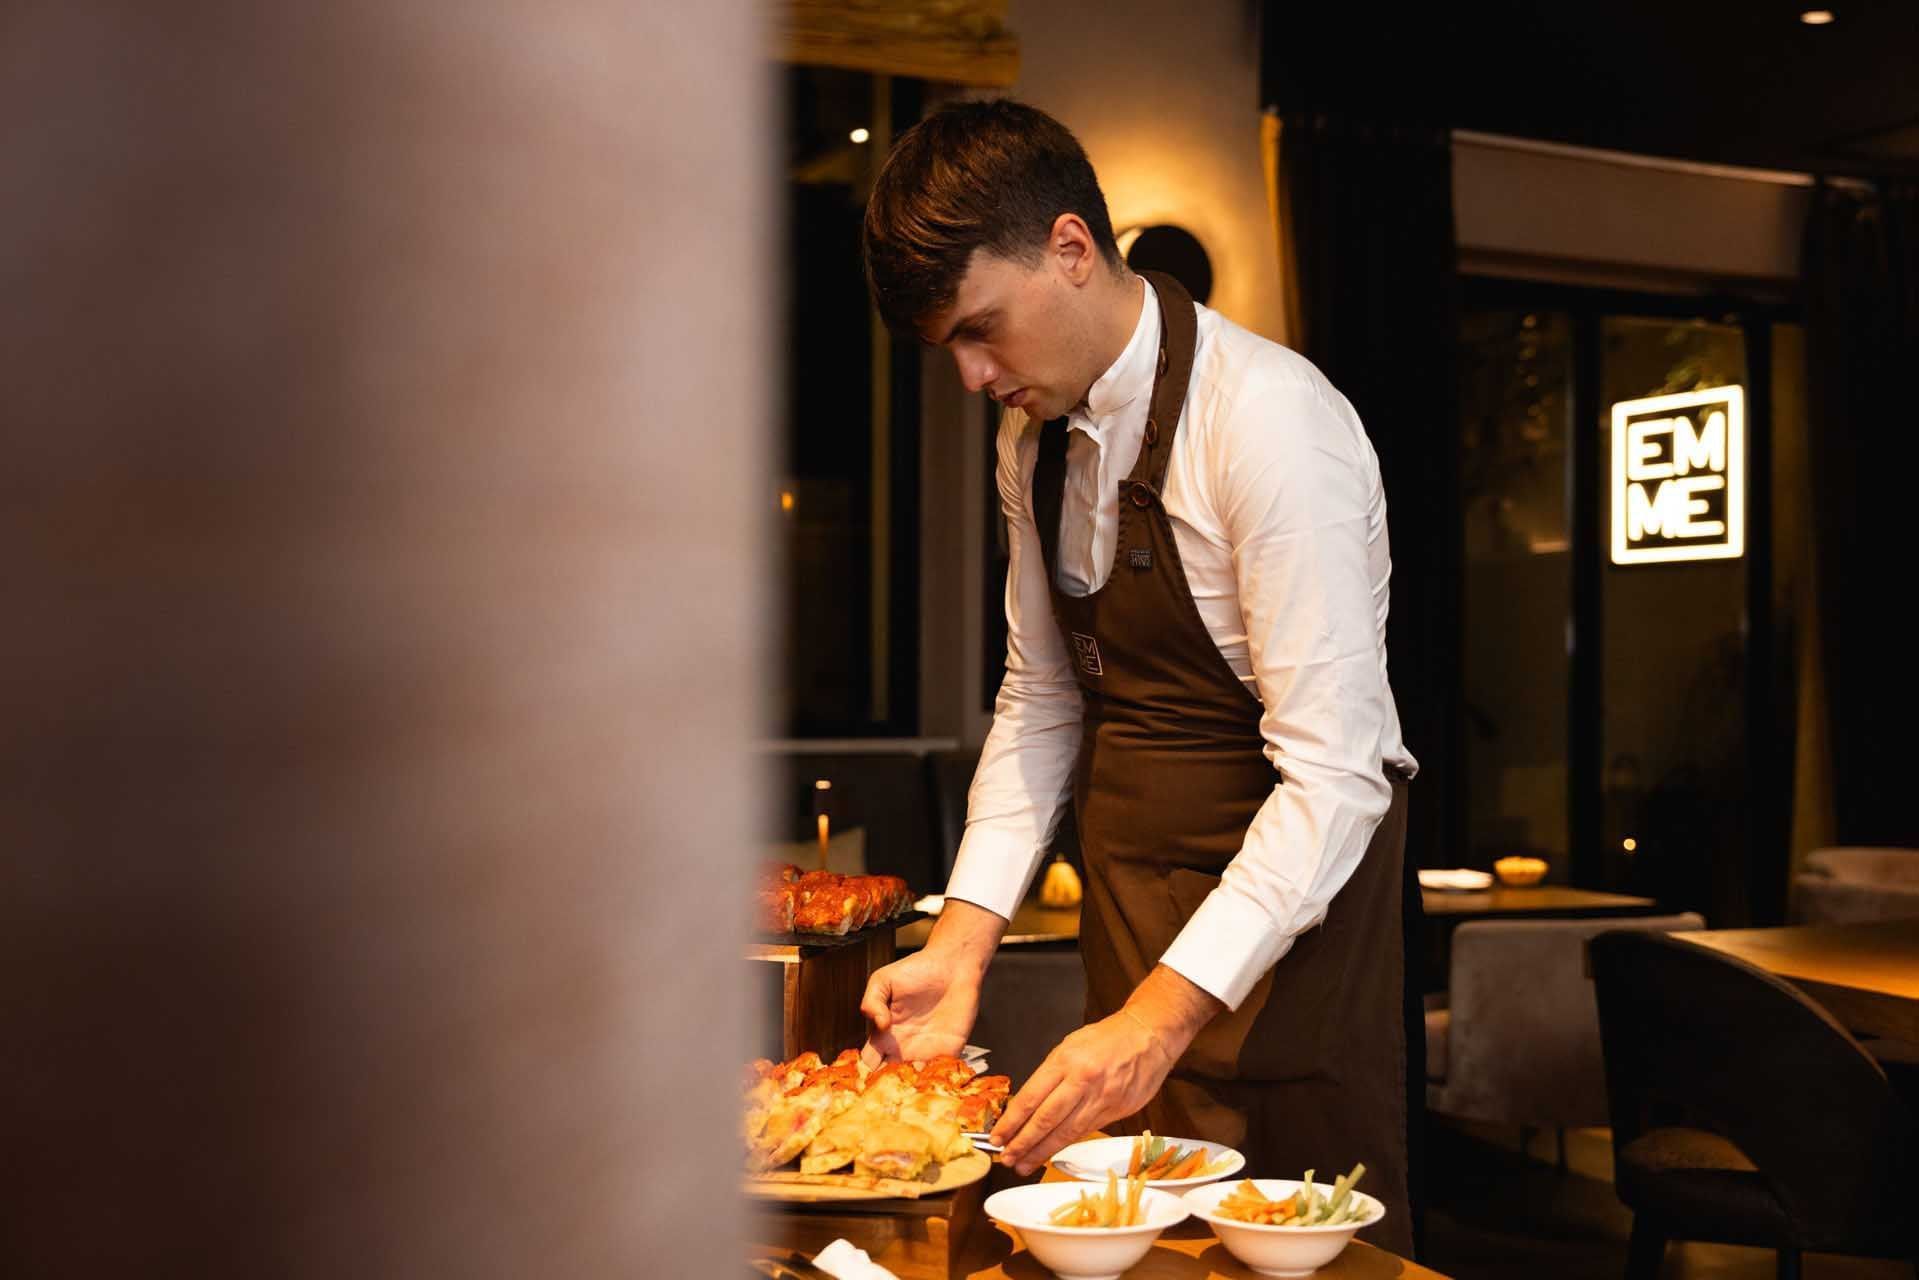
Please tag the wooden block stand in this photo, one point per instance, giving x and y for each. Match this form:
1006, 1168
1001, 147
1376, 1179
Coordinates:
820, 988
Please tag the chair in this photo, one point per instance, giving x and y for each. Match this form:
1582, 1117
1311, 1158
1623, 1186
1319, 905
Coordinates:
1743, 1114
1518, 1040
1843, 884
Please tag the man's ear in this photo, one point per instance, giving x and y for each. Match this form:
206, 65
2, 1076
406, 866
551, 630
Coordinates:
1072, 248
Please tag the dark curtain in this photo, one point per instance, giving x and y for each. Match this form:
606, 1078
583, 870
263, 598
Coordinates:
1862, 343
1366, 228
1367, 210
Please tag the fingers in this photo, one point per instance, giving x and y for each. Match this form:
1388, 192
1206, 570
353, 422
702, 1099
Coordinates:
877, 1003
1049, 1129
1031, 1094
882, 1046
1082, 1121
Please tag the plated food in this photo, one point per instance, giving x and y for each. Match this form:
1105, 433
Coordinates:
1284, 1228
1167, 1163
892, 1128
1306, 1207
1157, 1158
825, 902
1110, 1208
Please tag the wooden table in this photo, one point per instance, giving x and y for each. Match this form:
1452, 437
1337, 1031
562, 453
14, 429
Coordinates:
957, 1241
1866, 975
1538, 902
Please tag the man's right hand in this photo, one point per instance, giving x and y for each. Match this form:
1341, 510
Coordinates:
924, 1005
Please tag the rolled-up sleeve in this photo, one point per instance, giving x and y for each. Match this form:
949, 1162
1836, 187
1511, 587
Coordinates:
1297, 489
1026, 765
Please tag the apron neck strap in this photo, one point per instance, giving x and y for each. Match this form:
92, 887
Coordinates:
1178, 336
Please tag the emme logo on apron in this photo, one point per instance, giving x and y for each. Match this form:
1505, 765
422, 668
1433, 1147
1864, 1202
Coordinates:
1086, 650
1679, 477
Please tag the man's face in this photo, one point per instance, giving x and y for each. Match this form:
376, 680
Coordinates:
1019, 333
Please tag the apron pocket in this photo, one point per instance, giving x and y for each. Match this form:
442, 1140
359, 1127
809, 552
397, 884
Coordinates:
1283, 1030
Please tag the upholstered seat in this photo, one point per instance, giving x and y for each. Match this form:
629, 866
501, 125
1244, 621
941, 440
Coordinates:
1743, 1114
1702, 1180
1849, 883
1518, 1040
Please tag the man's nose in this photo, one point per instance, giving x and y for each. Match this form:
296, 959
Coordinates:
975, 370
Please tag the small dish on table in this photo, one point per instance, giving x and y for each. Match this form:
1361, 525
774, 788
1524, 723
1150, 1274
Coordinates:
1519, 872
1454, 879
1093, 1159
1081, 1253
1284, 1249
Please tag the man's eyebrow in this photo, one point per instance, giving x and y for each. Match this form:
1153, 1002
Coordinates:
968, 324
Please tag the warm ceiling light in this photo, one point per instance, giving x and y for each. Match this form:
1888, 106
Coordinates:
1629, 844
861, 135
1816, 17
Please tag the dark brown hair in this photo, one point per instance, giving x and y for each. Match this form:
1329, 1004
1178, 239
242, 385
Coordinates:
973, 175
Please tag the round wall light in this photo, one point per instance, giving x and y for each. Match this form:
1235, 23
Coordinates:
1171, 249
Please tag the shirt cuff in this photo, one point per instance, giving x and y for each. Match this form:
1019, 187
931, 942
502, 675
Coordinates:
992, 869
1227, 947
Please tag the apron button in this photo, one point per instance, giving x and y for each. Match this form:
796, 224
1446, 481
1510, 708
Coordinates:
1142, 496
1152, 432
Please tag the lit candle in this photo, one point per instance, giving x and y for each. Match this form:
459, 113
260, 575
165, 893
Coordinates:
822, 793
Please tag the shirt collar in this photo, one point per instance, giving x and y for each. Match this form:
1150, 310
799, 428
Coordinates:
1131, 375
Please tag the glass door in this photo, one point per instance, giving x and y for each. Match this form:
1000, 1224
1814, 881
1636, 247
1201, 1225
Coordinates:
1618, 616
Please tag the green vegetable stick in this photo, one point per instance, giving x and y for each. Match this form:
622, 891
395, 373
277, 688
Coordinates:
1343, 1200
1338, 1200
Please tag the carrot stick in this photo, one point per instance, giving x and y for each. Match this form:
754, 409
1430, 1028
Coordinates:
1190, 1165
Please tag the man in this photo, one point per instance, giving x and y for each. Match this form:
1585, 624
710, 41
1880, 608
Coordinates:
1196, 613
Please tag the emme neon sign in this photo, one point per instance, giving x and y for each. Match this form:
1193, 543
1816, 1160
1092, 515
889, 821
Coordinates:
1679, 477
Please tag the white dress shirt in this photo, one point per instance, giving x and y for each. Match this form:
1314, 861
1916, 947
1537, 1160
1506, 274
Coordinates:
1277, 508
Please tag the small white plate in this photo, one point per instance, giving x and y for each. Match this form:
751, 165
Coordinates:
1455, 879
1090, 1161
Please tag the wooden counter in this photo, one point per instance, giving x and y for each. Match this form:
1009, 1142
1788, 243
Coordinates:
1031, 923
951, 1238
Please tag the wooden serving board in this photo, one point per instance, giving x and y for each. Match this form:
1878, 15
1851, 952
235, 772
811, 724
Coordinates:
828, 941
795, 1189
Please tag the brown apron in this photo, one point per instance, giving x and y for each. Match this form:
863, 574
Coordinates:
1310, 1070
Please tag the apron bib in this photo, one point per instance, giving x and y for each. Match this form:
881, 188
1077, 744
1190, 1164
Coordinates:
1310, 1070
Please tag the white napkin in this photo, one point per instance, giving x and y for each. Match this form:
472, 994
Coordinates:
843, 1259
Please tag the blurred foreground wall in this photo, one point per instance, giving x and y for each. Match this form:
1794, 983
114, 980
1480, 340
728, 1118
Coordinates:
382, 402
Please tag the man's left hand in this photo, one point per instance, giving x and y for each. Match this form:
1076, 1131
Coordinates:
1105, 1070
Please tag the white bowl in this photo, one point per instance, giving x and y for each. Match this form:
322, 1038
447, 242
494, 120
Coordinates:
1279, 1251
1081, 1253
1090, 1160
